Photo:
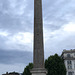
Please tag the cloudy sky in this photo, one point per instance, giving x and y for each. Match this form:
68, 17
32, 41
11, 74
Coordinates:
16, 31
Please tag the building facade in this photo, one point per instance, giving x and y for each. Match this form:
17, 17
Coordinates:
69, 60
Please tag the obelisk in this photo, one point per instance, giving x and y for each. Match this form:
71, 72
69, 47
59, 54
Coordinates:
38, 57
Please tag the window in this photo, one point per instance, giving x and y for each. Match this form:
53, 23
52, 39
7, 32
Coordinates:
70, 67
69, 62
74, 66
68, 55
70, 73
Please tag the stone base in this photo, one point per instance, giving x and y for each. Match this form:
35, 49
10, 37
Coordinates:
38, 71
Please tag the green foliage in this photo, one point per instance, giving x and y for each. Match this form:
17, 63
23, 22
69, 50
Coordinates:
55, 65
27, 69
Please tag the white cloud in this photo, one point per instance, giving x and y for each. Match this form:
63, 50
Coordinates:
21, 37
4, 33
63, 38
70, 27
20, 41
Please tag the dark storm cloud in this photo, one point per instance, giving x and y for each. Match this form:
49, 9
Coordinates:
12, 57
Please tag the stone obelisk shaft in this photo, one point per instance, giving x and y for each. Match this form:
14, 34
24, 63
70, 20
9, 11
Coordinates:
38, 59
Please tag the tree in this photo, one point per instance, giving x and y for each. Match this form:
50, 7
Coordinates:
27, 69
55, 65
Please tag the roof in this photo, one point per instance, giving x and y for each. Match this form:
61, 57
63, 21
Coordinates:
68, 51
11, 73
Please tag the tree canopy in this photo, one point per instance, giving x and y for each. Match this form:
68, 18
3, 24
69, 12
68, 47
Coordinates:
54, 65
27, 69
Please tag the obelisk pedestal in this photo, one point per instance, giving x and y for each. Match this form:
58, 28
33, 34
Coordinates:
38, 57
39, 71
